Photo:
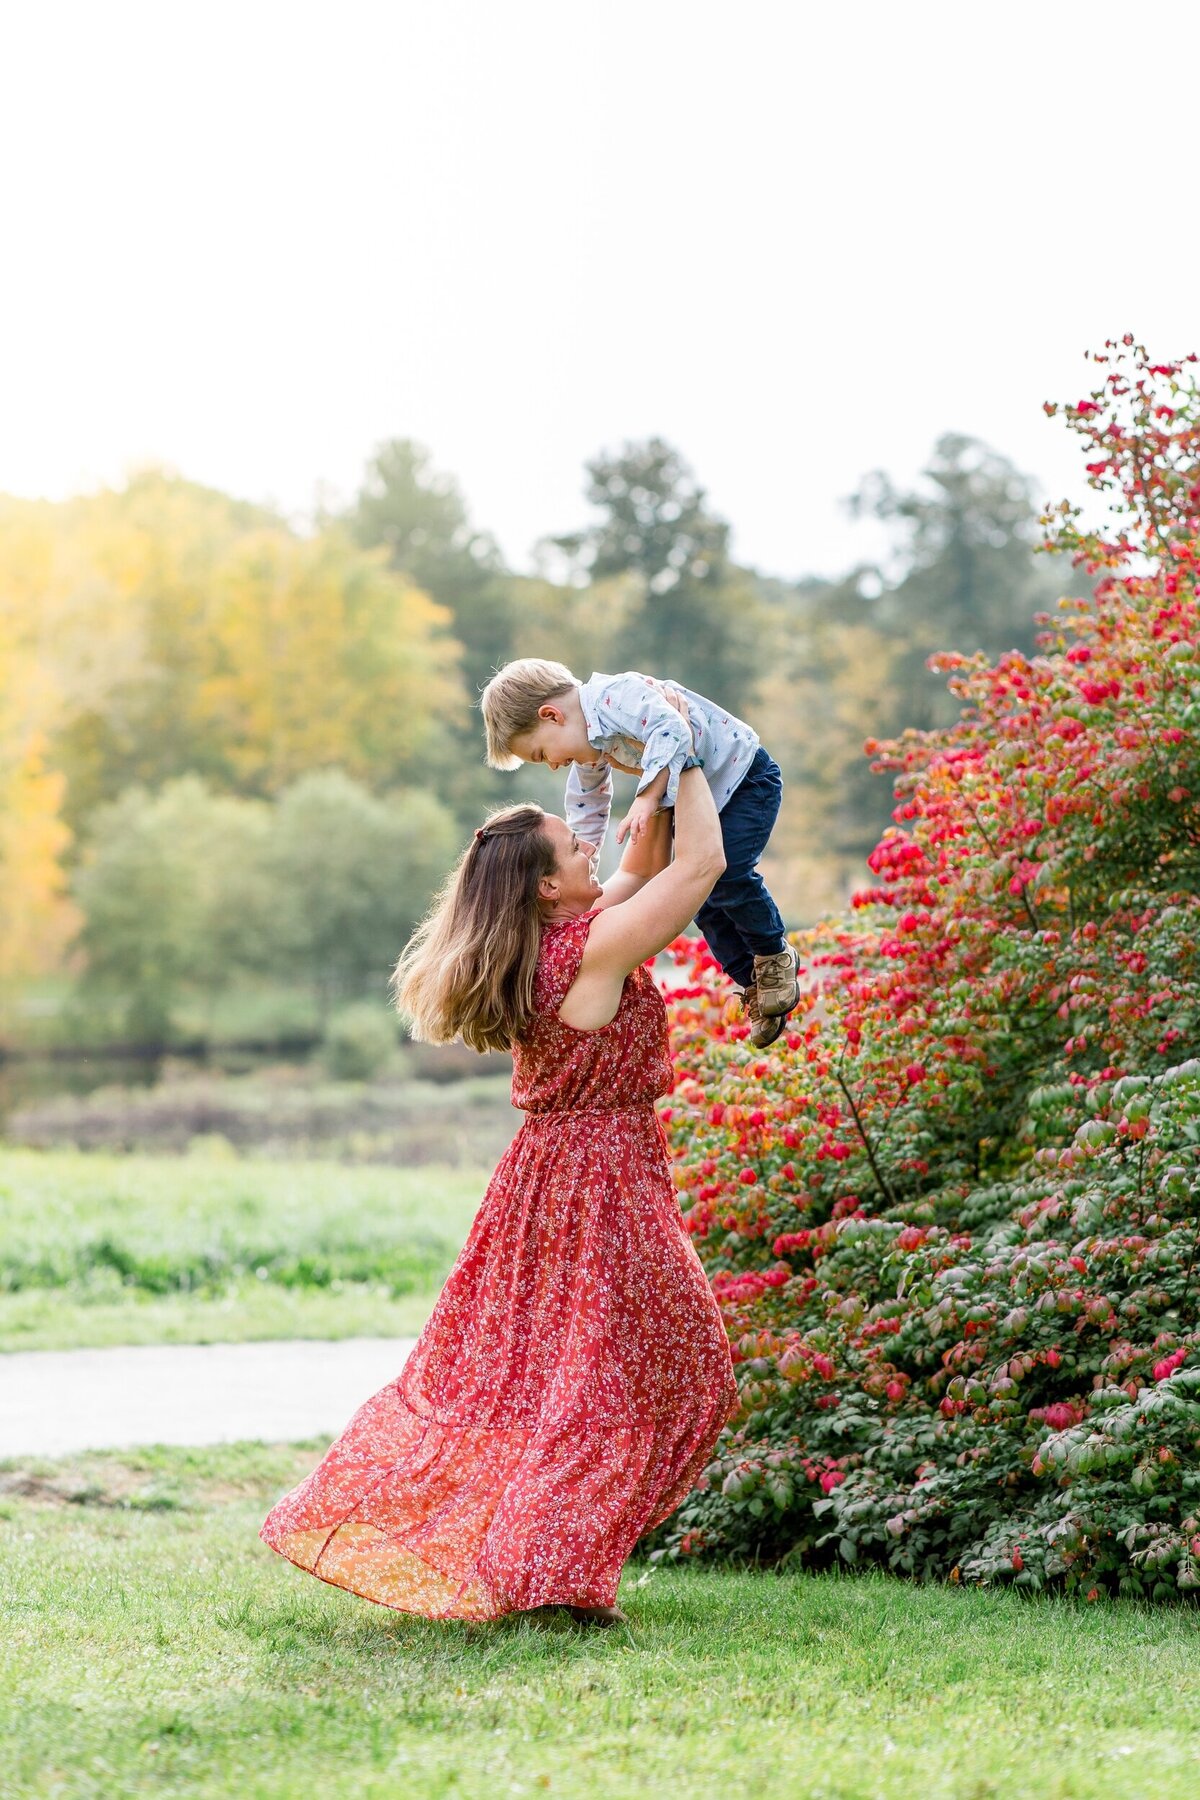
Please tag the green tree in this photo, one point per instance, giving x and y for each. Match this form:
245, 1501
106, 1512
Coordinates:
694, 612
419, 516
849, 658
353, 873
176, 894
969, 576
184, 890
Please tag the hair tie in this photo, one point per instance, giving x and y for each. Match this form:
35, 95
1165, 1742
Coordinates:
480, 833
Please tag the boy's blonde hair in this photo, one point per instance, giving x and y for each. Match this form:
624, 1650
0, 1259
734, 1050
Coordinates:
509, 703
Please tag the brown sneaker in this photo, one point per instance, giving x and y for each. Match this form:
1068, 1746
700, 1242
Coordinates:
775, 979
763, 1031
603, 1616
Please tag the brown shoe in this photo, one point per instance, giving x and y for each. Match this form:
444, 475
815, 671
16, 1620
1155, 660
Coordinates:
763, 1031
604, 1616
777, 984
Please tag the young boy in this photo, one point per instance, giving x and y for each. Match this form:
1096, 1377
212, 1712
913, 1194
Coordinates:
537, 711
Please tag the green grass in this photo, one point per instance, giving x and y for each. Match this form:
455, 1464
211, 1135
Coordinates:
154, 1646
249, 1311
105, 1250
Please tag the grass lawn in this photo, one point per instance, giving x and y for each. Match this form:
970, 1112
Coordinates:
153, 1646
248, 1311
122, 1250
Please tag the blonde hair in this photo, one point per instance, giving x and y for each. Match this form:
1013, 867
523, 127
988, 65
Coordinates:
509, 703
468, 970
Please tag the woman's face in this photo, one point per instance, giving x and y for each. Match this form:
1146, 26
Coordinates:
573, 884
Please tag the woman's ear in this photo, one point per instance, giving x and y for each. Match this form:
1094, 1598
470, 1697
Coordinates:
548, 888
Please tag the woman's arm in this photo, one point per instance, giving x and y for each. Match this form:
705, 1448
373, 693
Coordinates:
646, 858
641, 862
626, 935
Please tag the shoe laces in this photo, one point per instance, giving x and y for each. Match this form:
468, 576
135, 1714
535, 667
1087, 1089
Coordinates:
778, 963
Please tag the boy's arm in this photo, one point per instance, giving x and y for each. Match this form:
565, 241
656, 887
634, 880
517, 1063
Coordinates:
639, 708
648, 803
644, 857
667, 746
588, 801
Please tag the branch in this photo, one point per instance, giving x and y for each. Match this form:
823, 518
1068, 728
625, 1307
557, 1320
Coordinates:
885, 1191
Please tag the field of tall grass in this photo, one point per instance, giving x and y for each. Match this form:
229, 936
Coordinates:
98, 1249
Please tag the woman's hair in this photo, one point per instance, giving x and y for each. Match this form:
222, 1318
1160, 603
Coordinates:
509, 703
468, 970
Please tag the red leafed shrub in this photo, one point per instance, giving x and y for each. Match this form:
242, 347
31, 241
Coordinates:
953, 1217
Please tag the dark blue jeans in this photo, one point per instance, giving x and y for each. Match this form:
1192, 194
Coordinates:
739, 919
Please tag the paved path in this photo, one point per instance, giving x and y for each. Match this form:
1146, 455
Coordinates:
55, 1402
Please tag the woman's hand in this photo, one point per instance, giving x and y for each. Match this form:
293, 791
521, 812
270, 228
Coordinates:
674, 698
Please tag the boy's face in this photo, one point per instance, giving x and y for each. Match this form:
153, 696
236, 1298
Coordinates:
558, 738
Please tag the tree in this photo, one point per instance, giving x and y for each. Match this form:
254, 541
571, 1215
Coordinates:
353, 873
819, 698
176, 892
420, 518
695, 609
184, 890
36, 918
127, 592
319, 655
970, 578
184, 632
849, 658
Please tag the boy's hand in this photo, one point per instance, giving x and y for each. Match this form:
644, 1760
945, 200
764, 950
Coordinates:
633, 825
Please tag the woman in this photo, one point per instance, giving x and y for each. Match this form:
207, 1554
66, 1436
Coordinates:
574, 1375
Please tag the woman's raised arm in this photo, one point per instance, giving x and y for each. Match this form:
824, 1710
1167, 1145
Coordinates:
626, 935
644, 858
648, 855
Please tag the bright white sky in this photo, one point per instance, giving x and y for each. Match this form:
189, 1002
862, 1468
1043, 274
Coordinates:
252, 239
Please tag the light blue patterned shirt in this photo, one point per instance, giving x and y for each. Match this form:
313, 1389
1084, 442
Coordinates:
628, 717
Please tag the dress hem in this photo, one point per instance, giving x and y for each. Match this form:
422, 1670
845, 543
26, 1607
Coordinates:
416, 1612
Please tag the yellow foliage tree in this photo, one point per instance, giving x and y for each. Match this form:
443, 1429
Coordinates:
115, 590
36, 918
165, 629
185, 632
320, 656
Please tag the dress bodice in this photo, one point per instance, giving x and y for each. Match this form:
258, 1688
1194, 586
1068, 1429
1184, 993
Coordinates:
558, 1068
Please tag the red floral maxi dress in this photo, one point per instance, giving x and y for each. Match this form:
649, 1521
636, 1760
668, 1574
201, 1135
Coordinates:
574, 1375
